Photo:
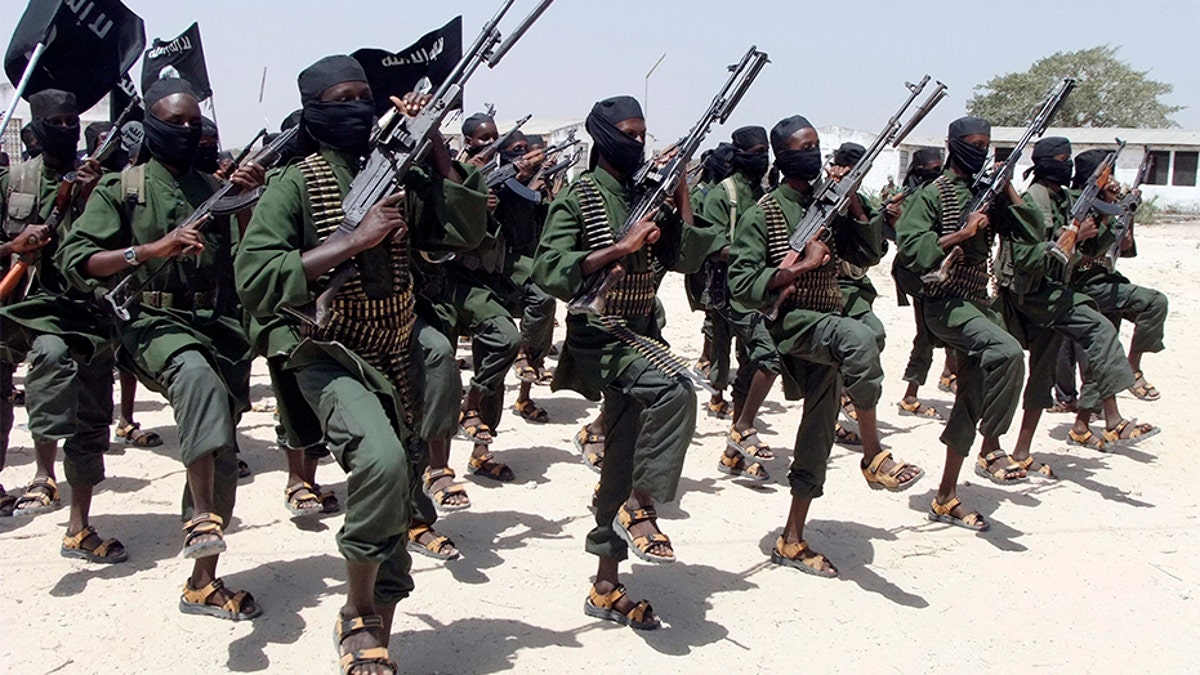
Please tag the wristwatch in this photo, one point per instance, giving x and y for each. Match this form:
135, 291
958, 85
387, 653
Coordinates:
131, 257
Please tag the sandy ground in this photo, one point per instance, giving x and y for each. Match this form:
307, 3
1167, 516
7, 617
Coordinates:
1097, 572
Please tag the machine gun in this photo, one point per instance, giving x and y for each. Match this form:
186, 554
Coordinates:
986, 186
1089, 200
1128, 205
656, 182
400, 142
832, 196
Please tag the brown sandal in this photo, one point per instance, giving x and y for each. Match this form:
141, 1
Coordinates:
738, 466
485, 465
530, 411
474, 432
202, 525
591, 448
195, 601
941, 513
41, 496
373, 656
889, 480
720, 410
918, 409
792, 555
440, 497
844, 436
746, 443
525, 370
1128, 432
438, 548
1000, 475
131, 433
641, 545
1087, 440
298, 496
1041, 472
1146, 391
605, 607
107, 552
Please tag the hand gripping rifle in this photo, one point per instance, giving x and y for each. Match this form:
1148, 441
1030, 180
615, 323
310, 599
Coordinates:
506, 175
987, 186
1089, 200
657, 182
68, 188
399, 142
221, 203
831, 197
1128, 205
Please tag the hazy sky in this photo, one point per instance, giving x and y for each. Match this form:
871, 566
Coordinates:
836, 62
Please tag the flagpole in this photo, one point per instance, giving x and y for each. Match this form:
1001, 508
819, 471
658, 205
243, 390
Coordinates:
212, 107
20, 90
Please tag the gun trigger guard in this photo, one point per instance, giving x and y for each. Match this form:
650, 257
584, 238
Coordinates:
235, 204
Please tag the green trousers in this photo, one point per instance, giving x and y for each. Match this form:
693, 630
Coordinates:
298, 428
480, 312
537, 322
366, 441
6, 407
436, 377
990, 369
1145, 307
920, 358
755, 349
70, 400
649, 419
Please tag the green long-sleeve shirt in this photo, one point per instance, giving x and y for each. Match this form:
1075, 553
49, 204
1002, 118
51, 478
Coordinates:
718, 207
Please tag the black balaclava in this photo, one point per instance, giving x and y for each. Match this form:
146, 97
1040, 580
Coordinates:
968, 157
1085, 166
848, 154
172, 144
1045, 166
342, 125
718, 163
795, 164
506, 154
916, 176
470, 126
208, 155
624, 153
753, 164
57, 141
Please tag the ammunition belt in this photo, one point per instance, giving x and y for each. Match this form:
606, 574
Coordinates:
975, 282
815, 291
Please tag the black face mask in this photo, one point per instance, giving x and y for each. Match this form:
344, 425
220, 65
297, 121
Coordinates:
799, 164
342, 125
1057, 171
968, 157
206, 159
918, 177
622, 152
172, 144
753, 164
57, 141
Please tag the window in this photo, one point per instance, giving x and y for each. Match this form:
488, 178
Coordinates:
1184, 173
1162, 167
905, 158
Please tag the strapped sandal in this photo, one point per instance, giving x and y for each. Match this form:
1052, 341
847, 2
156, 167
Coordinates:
742, 443
641, 545
329, 500
792, 555
948, 383
702, 367
200, 525
195, 601
998, 476
41, 496
72, 547
1042, 472
1146, 392
738, 466
525, 371
440, 497
530, 411
438, 548
8, 503
131, 433
1063, 407
545, 375
591, 448
299, 496
373, 656
473, 431
720, 410
848, 408
1087, 440
605, 607
486, 466
1128, 432
889, 480
844, 436
940, 513
918, 409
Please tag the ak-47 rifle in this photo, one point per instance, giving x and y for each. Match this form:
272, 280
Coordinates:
68, 188
556, 176
831, 197
221, 203
1128, 205
400, 142
656, 182
487, 152
1090, 199
506, 174
987, 186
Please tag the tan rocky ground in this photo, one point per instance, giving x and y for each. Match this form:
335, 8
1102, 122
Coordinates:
1095, 573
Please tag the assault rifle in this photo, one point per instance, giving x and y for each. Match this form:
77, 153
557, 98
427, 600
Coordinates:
1129, 205
506, 175
986, 186
656, 182
1089, 200
400, 142
487, 152
832, 196
68, 188
221, 203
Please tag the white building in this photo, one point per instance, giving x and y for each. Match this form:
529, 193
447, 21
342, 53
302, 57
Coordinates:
10, 141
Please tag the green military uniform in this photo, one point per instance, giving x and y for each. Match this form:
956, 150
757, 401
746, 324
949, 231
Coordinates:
858, 293
1042, 311
360, 373
521, 223
821, 349
695, 284
185, 340
958, 313
720, 211
63, 334
649, 416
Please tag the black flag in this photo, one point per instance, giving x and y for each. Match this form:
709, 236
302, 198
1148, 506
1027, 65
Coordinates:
182, 57
120, 97
433, 56
90, 44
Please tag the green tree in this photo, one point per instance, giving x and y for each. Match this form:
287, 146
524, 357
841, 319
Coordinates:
1108, 93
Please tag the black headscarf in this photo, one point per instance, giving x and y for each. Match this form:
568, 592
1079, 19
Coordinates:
57, 140
917, 175
796, 164
968, 157
167, 87
342, 125
1085, 166
1045, 166
748, 137
753, 164
785, 129
472, 123
174, 144
327, 72
508, 155
624, 153
52, 102
718, 163
848, 154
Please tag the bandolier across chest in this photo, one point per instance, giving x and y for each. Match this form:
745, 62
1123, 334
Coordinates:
970, 281
633, 296
816, 290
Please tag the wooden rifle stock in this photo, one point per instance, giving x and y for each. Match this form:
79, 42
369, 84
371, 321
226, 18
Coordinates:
942, 273
594, 296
